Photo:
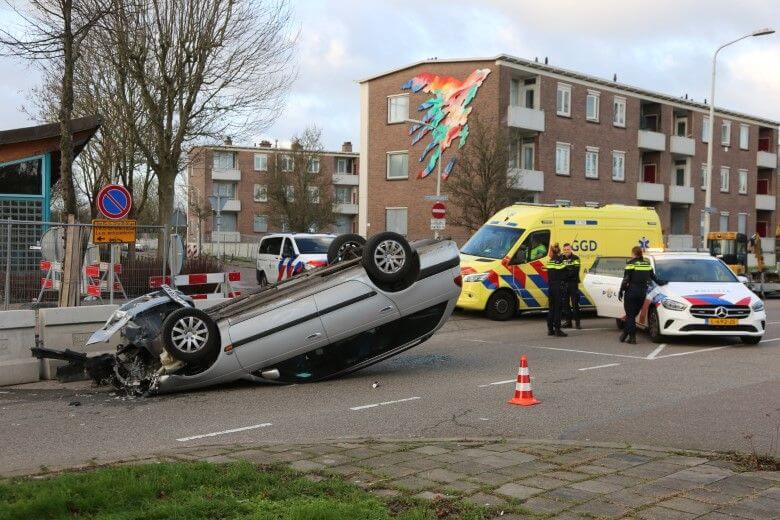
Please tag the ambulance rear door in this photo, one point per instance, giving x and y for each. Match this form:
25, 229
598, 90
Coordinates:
602, 283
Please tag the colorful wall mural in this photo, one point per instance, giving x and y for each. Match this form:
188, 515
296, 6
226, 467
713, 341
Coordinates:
446, 111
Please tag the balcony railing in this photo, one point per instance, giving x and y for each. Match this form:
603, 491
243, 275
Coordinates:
766, 160
226, 175
681, 194
522, 179
765, 202
231, 205
650, 191
525, 118
346, 179
649, 140
682, 145
346, 209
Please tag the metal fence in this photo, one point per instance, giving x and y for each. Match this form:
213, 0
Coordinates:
230, 246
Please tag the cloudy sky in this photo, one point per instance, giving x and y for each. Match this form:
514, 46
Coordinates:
662, 45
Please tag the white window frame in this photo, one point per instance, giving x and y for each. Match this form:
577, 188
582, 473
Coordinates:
264, 191
686, 174
406, 222
387, 172
216, 165
563, 105
392, 117
742, 181
592, 151
723, 214
740, 216
595, 95
559, 168
619, 112
313, 165
262, 158
703, 172
725, 140
563, 202
744, 136
345, 162
725, 172
254, 224
622, 155
287, 164
705, 129
289, 193
314, 194
515, 92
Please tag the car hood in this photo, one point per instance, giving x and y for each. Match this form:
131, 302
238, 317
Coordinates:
477, 264
696, 293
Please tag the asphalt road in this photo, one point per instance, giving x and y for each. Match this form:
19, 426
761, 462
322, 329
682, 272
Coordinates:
700, 394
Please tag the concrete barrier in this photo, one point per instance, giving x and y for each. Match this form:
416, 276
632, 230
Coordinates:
71, 327
17, 337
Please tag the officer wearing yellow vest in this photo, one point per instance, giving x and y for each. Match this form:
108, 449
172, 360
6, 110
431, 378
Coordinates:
556, 283
571, 300
636, 278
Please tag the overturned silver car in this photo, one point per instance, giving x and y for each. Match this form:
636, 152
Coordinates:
376, 299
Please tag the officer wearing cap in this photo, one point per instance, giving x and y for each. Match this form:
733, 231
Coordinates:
555, 280
571, 299
636, 278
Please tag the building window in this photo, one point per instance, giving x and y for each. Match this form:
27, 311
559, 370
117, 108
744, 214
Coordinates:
314, 165
742, 223
619, 112
618, 166
514, 92
395, 220
343, 195
224, 160
562, 156
260, 193
704, 176
725, 133
744, 136
22, 178
286, 163
224, 190
564, 100
397, 165
261, 162
705, 130
341, 165
724, 221
592, 204
742, 182
397, 108
289, 193
680, 170
564, 203
314, 194
592, 163
592, 106
681, 126
260, 224
724, 179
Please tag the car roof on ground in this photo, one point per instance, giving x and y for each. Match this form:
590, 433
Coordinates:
686, 255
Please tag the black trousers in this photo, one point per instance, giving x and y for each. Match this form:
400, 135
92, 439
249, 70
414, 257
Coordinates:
556, 294
571, 302
632, 304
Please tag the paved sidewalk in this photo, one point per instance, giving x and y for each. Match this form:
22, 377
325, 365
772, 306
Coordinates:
522, 478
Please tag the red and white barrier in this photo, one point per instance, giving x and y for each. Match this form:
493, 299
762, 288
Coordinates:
96, 279
222, 280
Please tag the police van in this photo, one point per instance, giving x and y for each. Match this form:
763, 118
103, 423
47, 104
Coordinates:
503, 263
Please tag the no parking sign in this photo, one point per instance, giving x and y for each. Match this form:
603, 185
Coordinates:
114, 201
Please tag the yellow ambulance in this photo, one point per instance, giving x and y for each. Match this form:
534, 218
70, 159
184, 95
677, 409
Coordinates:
503, 263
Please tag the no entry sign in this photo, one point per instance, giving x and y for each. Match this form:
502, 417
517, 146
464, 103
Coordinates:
439, 210
114, 201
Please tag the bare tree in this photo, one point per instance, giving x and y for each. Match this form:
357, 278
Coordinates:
203, 70
53, 33
479, 185
299, 193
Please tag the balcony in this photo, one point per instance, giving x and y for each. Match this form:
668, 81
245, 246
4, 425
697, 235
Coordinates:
682, 145
529, 180
346, 209
225, 236
525, 118
765, 202
649, 140
226, 175
346, 179
679, 241
650, 191
766, 160
233, 205
681, 194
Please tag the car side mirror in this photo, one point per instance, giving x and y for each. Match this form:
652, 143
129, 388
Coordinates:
519, 258
742, 278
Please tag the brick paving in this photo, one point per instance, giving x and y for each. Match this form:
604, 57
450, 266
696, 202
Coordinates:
527, 479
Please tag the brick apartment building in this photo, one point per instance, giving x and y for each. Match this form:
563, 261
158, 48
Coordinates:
576, 139
240, 175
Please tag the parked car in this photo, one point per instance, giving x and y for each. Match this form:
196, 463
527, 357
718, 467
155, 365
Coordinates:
703, 297
319, 324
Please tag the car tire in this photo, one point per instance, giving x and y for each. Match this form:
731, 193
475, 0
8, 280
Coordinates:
190, 335
620, 323
654, 327
345, 247
262, 281
388, 259
751, 340
501, 306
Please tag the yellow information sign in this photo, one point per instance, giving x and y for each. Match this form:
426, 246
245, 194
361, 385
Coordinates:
113, 231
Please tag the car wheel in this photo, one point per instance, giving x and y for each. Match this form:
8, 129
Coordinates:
751, 340
620, 323
654, 327
190, 335
501, 306
388, 258
345, 247
262, 281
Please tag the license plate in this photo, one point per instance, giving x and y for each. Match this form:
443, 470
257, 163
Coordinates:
722, 321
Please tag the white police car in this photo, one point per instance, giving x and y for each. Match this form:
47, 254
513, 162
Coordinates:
703, 297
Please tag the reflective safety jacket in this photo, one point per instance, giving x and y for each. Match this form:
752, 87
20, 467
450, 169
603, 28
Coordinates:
555, 269
637, 276
572, 270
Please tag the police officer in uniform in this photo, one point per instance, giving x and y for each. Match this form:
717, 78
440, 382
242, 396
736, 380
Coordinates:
555, 280
636, 277
571, 300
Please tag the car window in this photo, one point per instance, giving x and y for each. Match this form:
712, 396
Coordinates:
534, 247
313, 245
693, 270
609, 265
271, 246
492, 241
287, 249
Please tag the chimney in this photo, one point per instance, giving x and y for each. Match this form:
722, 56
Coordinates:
346, 147
265, 144
228, 141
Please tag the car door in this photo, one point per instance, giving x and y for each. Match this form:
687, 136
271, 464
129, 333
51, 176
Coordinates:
286, 260
602, 284
270, 257
352, 307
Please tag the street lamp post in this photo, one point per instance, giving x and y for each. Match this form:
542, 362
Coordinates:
438, 166
708, 185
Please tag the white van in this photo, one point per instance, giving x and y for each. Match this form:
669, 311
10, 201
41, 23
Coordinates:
283, 255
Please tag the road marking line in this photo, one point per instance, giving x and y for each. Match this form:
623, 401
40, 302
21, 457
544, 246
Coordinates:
657, 351
599, 366
479, 341
499, 383
590, 352
384, 403
224, 432
768, 340
692, 352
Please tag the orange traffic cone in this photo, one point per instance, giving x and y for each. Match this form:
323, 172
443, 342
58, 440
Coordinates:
524, 396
